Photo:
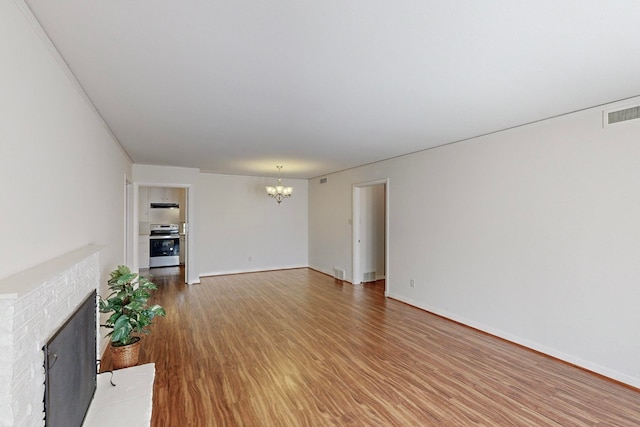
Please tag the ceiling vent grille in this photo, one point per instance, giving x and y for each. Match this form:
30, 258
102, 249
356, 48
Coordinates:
624, 115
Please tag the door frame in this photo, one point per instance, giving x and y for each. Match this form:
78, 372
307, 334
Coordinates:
129, 236
356, 272
189, 215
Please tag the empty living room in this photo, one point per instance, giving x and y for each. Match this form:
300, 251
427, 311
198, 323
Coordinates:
352, 213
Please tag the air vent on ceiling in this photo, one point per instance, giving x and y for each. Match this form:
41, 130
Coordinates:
623, 115
323, 180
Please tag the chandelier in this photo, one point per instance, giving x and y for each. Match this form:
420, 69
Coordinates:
279, 192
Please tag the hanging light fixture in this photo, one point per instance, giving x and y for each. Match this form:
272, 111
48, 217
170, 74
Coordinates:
279, 192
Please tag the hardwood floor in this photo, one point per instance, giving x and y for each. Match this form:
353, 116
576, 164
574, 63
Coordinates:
293, 348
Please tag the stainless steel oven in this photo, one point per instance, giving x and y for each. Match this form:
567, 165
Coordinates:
164, 245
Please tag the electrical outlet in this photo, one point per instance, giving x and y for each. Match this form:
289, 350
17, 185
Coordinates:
412, 283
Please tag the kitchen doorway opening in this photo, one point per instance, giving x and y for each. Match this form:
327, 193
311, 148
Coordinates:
163, 209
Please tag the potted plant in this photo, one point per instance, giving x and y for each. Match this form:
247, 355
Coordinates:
130, 316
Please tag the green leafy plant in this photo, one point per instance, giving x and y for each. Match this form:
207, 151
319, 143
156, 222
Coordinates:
128, 303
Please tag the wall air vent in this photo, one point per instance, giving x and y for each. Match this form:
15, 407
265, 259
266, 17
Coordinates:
338, 273
323, 180
623, 115
369, 276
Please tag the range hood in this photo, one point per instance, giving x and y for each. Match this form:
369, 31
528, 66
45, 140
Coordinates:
164, 206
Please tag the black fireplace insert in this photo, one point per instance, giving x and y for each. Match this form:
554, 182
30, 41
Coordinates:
70, 368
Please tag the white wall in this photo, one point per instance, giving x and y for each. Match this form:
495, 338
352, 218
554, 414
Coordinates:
532, 234
62, 176
241, 229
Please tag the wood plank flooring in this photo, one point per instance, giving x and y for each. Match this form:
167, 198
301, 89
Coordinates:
293, 348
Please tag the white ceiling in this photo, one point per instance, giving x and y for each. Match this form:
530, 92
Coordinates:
239, 86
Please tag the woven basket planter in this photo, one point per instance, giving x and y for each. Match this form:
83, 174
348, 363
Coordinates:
125, 356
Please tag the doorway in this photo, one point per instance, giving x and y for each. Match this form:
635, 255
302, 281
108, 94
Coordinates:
168, 206
371, 232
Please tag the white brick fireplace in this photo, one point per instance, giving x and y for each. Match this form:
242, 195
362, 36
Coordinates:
33, 305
